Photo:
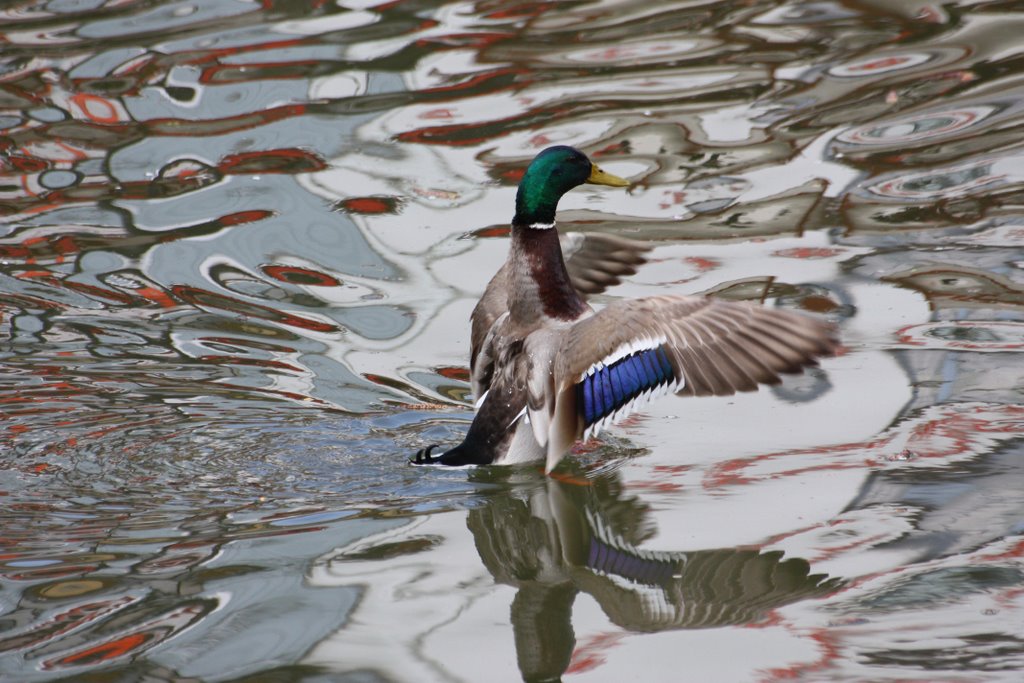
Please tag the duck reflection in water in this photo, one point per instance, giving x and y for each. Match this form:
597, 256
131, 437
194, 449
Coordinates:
567, 538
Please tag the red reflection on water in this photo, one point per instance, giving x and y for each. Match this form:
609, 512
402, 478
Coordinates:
495, 231
476, 41
272, 161
301, 276
237, 218
459, 373
590, 654
202, 297
703, 264
258, 362
230, 124
106, 651
808, 252
53, 572
1014, 552
63, 622
369, 205
614, 149
24, 164
136, 640
96, 108
491, 81
512, 176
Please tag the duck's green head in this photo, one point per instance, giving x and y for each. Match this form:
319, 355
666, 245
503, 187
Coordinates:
551, 174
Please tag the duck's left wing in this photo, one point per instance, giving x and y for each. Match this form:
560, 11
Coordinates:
491, 307
634, 350
596, 261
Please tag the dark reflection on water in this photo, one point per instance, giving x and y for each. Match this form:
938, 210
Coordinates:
239, 243
577, 536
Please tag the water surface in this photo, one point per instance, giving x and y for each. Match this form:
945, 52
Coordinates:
239, 245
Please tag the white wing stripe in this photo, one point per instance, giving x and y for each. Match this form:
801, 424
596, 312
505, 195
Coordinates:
627, 349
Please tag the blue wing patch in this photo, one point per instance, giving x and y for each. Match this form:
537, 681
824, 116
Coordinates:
608, 559
611, 387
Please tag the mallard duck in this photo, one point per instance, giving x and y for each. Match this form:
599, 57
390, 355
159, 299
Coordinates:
548, 370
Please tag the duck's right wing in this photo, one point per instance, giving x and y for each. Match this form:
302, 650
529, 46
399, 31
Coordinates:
692, 345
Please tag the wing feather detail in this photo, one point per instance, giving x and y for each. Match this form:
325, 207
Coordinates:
597, 261
717, 347
607, 391
632, 351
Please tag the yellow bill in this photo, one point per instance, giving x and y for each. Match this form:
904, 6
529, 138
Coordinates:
599, 177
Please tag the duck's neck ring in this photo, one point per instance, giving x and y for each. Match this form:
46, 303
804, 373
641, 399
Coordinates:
538, 225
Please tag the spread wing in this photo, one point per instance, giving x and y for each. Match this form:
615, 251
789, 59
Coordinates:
595, 262
634, 350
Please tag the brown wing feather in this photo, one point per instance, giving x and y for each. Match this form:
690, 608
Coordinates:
492, 305
597, 261
717, 347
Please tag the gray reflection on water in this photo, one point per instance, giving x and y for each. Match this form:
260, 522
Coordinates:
567, 538
129, 530
553, 542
